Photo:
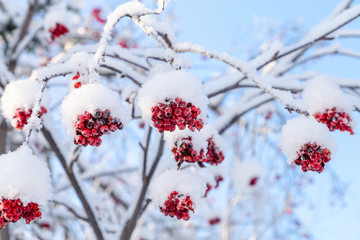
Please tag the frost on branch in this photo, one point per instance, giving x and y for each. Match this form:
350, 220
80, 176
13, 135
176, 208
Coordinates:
18, 101
246, 175
25, 184
79, 63
177, 193
186, 146
91, 111
329, 104
307, 143
171, 99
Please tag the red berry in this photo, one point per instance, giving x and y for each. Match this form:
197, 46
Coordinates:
177, 205
312, 157
58, 31
335, 119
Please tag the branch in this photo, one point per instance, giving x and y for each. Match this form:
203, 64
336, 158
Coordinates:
146, 149
27, 20
91, 216
72, 210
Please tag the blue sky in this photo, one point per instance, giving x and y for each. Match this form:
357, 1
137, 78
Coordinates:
231, 25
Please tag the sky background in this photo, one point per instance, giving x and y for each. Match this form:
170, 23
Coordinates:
237, 26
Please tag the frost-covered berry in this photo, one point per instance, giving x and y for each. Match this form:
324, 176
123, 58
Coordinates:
307, 143
176, 112
174, 99
31, 212
247, 174
313, 157
214, 155
329, 104
96, 14
58, 30
177, 193
214, 221
184, 152
12, 210
18, 101
177, 205
22, 115
335, 120
92, 111
186, 146
77, 83
90, 127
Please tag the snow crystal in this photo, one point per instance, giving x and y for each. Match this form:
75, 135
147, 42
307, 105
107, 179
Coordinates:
24, 176
244, 172
171, 85
182, 181
21, 94
89, 98
322, 94
301, 130
198, 140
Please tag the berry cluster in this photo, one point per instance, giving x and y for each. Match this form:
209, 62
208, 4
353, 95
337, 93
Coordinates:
58, 30
14, 210
214, 221
184, 151
22, 116
91, 126
213, 156
313, 157
218, 179
77, 84
96, 15
177, 205
335, 120
176, 113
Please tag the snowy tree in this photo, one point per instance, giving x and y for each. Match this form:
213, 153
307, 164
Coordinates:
108, 132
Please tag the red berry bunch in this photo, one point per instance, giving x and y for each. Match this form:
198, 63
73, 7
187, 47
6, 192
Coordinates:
91, 126
335, 120
166, 116
58, 30
177, 205
184, 151
77, 84
214, 221
14, 210
313, 157
22, 115
213, 156
218, 179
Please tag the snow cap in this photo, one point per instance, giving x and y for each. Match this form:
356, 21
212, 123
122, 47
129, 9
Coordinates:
24, 176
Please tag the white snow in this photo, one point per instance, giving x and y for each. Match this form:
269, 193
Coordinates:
183, 181
171, 85
24, 176
244, 172
198, 140
21, 94
321, 94
301, 130
89, 97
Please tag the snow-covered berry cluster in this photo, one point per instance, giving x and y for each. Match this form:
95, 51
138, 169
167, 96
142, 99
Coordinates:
214, 155
177, 205
58, 30
22, 115
77, 83
12, 210
335, 119
218, 179
91, 126
313, 157
184, 152
176, 113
